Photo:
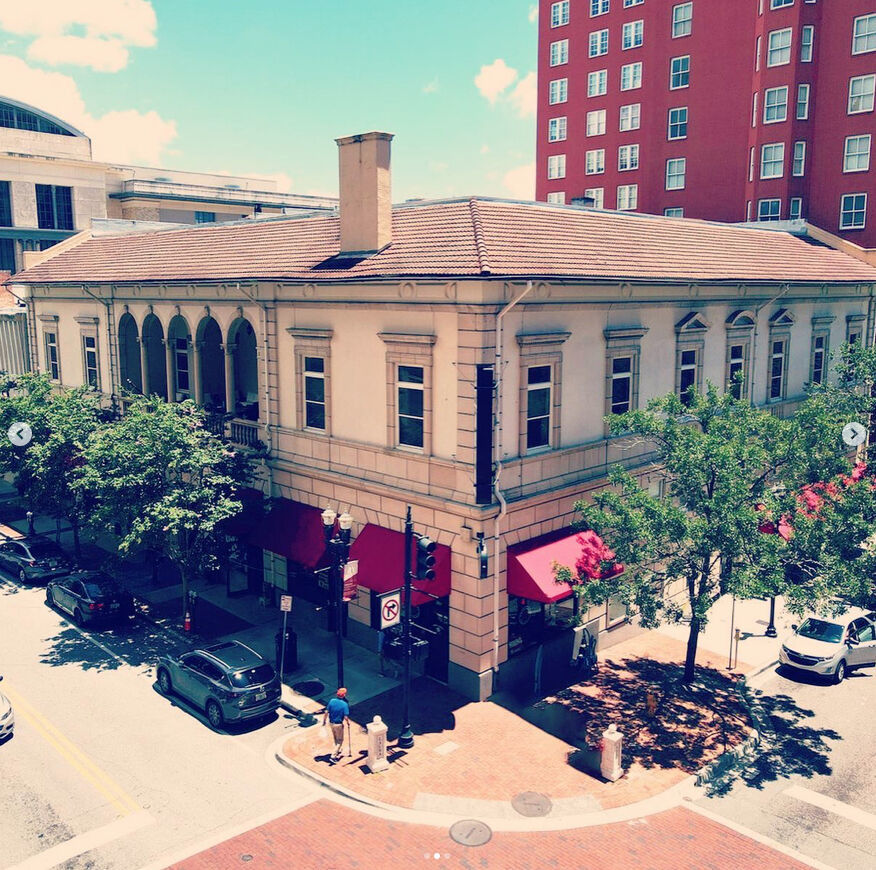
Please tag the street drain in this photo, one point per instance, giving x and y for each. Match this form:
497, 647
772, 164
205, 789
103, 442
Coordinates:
531, 803
470, 833
311, 688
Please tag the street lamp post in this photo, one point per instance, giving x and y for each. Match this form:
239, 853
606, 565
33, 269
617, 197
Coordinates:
771, 628
406, 738
338, 541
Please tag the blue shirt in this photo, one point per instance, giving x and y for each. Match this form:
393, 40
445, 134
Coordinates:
337, 710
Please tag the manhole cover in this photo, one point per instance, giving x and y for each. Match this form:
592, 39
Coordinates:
311, 688
470, 833
531, 803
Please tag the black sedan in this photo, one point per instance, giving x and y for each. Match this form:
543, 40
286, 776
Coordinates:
33, 559
90, 597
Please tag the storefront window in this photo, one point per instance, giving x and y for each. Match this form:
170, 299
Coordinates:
616, 610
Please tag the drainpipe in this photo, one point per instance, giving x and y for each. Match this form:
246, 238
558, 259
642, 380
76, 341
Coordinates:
498, 463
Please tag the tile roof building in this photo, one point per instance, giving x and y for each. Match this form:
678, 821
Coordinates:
459, 357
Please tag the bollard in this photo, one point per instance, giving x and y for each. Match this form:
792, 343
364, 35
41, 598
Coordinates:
610, 764
376, 760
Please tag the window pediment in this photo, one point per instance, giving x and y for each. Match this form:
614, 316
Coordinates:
741, 319
783, 317
692, 322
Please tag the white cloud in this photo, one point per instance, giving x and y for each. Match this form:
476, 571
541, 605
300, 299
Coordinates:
494, 78
93, 33
533, 12
126, 136
431, 87
523, 97
520, 181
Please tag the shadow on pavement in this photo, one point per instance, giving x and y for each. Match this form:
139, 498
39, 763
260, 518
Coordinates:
232, 729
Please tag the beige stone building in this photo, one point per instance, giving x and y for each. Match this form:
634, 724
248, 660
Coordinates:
456, 356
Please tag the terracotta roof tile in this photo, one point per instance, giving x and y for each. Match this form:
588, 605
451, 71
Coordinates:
458, 239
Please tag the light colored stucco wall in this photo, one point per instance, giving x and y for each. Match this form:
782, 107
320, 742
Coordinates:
45, 144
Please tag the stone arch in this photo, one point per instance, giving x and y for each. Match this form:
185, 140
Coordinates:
180, 375
242, 346
153, 352
210, 356
130, 370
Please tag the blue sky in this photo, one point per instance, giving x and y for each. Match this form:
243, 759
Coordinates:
264, 87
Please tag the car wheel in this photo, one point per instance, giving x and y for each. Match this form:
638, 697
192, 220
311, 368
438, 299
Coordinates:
50, 599
77, 616
214, 714
840, 673
22, 576
164, 682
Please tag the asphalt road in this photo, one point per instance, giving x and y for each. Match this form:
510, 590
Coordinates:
813, 785
103, 771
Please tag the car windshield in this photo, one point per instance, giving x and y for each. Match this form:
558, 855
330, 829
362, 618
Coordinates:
45, 550
252, 676
818, 629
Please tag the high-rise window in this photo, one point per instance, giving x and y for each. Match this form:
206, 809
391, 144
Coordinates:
627, 196
627, 157
205, 217
598, 7
597, 195
558, 197
557, 129
54, 207
597, 83
778, 366
807, 38
679, 72
559, 52
795, 208
769, 210
411, 407
736, 370
598, 43
621, 384
631, 76
777, 4
682, 19
864, 34
633, 34
673, 212
675, 172
799, 165
754, 109
819, 355
596, 122
779, 50
558, 91
314, 392
5, 205
53, 364
775, 105
688, 365
594, 161
630, 116
538, 406
856, 155
802, 102
772, 160
861, 89
560, 13
677, 123
853, 211
557, 166
89, 361
628, 3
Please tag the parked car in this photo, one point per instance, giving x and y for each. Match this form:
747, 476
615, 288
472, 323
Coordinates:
832, 646
7, 717
228, 681
90, 597
33, 559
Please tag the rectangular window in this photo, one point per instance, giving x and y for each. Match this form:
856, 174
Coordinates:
673, 212
411, 413
594, 161
181, 364
777, 4
560, 13
597, 195
751, 164
779, 50
205, 217
754, 109
864, 34
627, 157
630, 117
772, 160
314, 392
799, 166
802, 102
861, 90
596, 123
675, 171
631, 76
682, 18
53, 365
598, 7
856, 157
769, 210
757, 45
621, 384
598, 43
5, 205
807, 38
853, 211
677, 123
679, 72
7, 255
778, 359
54, 207
89, 357
736, 371
687, 375
557, 198
775, 105
559, 52
819, 356
557, 129
597, 83
557, 166
633, 34
627, 197
795, 208
538, 406
628, 3
558, 91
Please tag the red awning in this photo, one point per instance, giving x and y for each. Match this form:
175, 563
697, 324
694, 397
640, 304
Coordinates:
293, 530
531, 564
381, 555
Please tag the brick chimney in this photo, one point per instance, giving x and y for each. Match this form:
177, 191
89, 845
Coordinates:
365, 193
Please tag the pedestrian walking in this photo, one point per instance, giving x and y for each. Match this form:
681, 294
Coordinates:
337, 714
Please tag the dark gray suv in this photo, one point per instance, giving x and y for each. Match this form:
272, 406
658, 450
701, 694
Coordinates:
228, 681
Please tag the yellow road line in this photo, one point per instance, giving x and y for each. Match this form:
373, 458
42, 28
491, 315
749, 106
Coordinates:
74, 756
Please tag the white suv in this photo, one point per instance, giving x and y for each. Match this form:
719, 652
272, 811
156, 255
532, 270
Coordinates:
832, 646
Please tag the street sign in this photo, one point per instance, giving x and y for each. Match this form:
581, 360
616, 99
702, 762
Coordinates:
286, 603
351, 584
390, 609
351, 569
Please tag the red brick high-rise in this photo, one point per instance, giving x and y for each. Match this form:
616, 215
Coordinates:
728, 110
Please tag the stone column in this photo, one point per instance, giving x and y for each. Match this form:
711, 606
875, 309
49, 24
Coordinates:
229, 379
171, 380
144, 365
197, 347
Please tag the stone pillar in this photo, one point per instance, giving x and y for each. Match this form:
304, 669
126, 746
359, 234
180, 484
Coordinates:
171, 370
376, 760
610, 764
144, 365
229, 380
197, 347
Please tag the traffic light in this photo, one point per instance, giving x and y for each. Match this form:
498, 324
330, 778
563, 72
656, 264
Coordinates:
425, 558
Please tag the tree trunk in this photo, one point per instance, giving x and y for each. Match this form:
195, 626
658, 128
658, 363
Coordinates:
691, 656
74, 524
185, 591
